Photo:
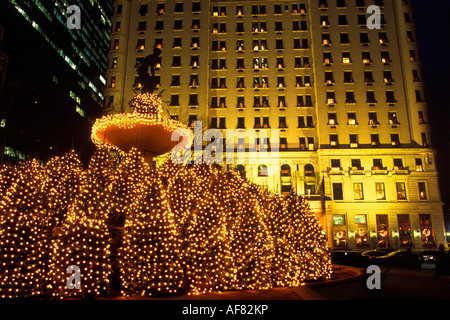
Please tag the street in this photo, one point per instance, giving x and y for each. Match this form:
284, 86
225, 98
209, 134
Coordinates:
405, 284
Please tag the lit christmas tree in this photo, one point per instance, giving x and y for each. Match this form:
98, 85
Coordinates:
22, 231
150, 252
62, 181
301, 251
252, 243
195, 198
312, 257
84, 238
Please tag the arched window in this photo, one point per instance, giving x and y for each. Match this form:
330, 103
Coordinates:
262, 170
309, 170
285, 170
241, 170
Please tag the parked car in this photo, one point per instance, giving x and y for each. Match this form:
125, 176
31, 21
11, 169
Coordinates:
427, 256
398, 259
348, 258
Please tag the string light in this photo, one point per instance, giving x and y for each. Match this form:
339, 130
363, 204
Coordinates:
136, 229
147, 113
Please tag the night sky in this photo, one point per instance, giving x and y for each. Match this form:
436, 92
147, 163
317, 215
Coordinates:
432, 19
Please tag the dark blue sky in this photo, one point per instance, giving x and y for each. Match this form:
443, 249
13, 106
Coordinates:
432, 19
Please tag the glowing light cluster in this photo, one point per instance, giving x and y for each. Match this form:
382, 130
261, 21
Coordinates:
147, 111
84, 238
134, 229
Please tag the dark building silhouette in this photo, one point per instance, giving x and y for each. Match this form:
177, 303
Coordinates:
51, 77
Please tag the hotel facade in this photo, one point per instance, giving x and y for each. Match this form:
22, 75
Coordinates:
342, 103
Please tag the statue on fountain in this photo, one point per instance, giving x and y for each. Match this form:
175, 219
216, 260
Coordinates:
145, 128
149, 82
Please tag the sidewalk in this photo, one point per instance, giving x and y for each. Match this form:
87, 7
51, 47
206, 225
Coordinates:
424, 274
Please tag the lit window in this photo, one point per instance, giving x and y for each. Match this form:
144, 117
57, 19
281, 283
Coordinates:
398, 164
346, 58
116, 44
79, 111
192, 119
426, 230
401, 190
395, 140
422, 191
424, 139
283, 143
334, 140
358, 191
379, 191
332, 121
262, 170
378, 164
160, 8
419, 165
140, 45
361, 232
353, 141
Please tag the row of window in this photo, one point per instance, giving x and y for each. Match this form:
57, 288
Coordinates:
370, 97
380, 192
258, 101
377, 164
298, 43
263, 100
366, 58
304, 121
255, 27
305, 143
374, 140
220, 11
263, 122
342, 4
259, 122
261, 45
300, 81
258, 63
381, 235
254, 9
373, 118
363, 38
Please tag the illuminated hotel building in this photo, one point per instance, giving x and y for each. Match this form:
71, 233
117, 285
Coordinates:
347, 102
53, 87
